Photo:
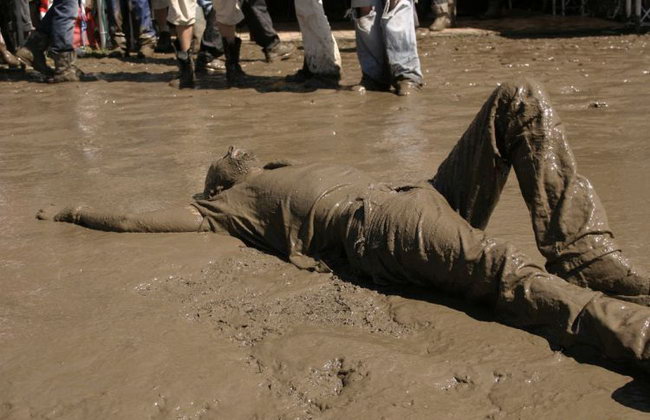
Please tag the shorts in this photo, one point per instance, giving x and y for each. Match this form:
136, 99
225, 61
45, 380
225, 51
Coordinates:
228, 11
181, 12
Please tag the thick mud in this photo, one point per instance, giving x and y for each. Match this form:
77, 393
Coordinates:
189, 326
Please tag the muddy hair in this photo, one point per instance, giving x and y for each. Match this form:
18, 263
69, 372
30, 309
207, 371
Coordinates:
228, 170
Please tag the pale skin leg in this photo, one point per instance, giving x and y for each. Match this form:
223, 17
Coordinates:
184, 35
178, 219
227, 31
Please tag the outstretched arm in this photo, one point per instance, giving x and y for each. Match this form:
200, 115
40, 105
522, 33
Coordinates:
179, 219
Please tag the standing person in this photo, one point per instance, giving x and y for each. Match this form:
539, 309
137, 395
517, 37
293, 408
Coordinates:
261, 30
322, 61
56, 32
141, 13
444, 12
386, 45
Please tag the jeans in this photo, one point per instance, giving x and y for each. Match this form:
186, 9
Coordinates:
386, 45
141, 14
257, 18
322, 55
58, 25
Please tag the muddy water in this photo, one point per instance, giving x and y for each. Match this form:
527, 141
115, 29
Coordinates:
105, 325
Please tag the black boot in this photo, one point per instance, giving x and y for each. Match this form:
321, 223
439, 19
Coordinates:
185, 70
64, 68
33, 53
234, 72
493, 11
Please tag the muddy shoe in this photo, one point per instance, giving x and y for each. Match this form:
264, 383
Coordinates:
279, 51
64, 68
6, 57
147, 47
185, 79
301, 76
443, 18
368, 84
32, 54
405, 87
612, 274
322, 81
234, 73
207, 62
118, 46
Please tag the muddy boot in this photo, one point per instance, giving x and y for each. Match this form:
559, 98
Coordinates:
369, 84
405, 87
147, 46
234, 72
443, 17
33, 53
6, 57
118, 49
612, 274
493, 11
279, 51
186, 71
164, 44
64, 68
301, 76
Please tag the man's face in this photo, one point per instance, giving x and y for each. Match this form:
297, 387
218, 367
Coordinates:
227, 171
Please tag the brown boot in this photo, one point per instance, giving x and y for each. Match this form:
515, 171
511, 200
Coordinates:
186, 78
147, 46
64, 68
33, 53
7, 57
234, 73
443, 17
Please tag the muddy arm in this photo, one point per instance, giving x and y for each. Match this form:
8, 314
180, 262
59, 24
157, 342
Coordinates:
179, 219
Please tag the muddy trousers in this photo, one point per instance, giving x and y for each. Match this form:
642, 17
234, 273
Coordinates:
518, 128
58, 25
386, 44
321, 51
141, 17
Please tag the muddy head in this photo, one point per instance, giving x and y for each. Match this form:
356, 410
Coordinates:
229, 170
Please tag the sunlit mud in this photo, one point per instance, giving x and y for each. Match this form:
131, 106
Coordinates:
106, 325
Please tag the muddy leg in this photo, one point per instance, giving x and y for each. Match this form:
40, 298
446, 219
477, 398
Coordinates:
518, 127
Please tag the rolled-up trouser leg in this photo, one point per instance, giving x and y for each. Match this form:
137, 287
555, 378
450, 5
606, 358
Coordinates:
321, 51
371, 49
401, 46
517, 127
144, 21
211, 41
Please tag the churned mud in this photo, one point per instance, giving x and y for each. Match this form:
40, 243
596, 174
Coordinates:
189, 326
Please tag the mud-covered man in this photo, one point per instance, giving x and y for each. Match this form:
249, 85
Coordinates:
430, 233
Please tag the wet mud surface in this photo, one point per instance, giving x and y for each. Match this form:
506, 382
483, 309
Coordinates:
189, 326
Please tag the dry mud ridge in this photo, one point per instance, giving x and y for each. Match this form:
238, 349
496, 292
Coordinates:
97, 325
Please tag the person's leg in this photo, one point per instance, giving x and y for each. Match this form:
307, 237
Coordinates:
322, 58
182, 14
211, 41
401, 46
518, 127
115, 29
415, 237
146, 31
59, 25
229, 14
371, 50
160, 11
443, 16
262, 31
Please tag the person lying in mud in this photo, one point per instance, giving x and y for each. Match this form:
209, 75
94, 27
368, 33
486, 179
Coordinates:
430, 233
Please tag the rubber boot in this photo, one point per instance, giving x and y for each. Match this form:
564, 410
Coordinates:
164, 44
147, 46
7, 57
186, 70
234, 72
119, 48
33, 53
443, 17
64, 68
493, 11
